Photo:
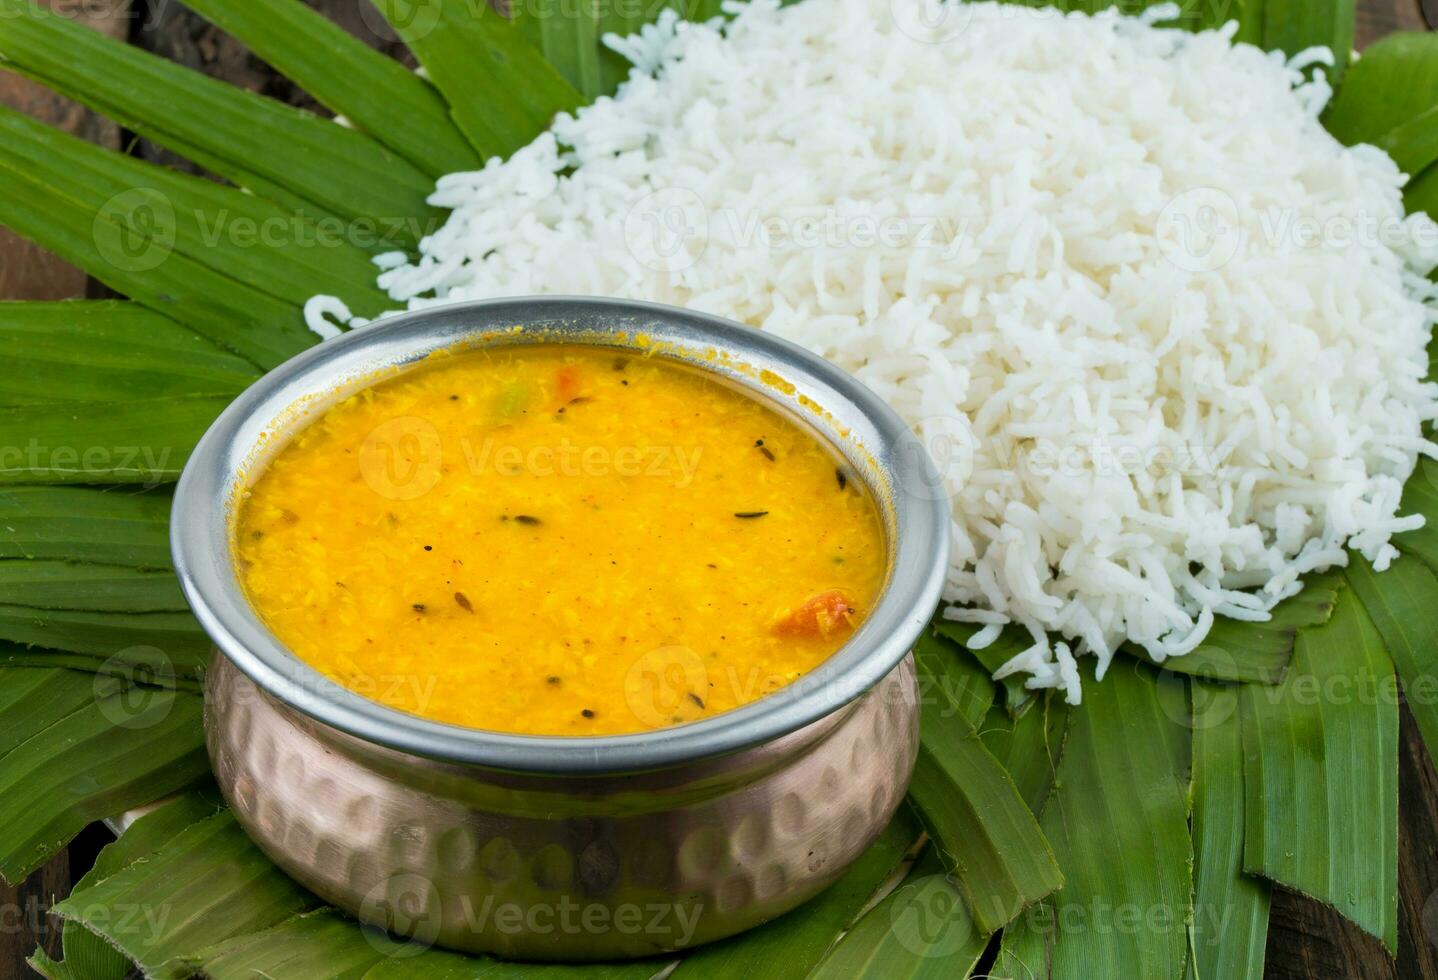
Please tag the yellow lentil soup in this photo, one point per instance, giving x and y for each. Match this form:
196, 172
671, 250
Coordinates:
567, 540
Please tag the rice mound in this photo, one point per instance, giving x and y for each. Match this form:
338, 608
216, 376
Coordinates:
1163, 334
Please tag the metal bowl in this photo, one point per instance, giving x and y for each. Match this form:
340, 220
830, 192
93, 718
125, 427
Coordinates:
551, 847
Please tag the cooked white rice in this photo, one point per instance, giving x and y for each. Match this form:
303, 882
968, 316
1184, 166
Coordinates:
1164, 335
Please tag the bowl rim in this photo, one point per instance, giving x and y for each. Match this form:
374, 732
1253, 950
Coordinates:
914, 503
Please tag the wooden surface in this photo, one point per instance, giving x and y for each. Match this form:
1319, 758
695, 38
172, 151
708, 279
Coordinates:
1306, 940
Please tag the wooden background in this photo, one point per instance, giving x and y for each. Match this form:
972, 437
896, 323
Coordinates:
1306, 940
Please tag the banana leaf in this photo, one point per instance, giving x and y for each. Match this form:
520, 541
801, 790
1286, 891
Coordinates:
127, 246
109, 588
1118, 821
145, 441
1394, 81
202, 887
920, 931
1029, 747
567, 33
1400, 602
107, 350
377, 94
291, 157
1294, 25
162, 642
87, 956
983, 828
501, 91
1321, 773
1010, 644
119, 526
1420, 496
324, 943
234, 233
320, 943
32, 699
120, 750
951, 682
1230, 913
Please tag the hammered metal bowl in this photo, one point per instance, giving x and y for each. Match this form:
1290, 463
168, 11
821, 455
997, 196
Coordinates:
556, 848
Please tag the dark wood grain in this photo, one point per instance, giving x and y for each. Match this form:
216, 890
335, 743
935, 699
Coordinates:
1377, 18
1306, 939
24, 924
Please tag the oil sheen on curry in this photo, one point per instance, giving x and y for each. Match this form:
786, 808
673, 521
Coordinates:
559, 540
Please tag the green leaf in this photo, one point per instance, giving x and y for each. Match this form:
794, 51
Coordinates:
437, 964
1029, 747
145, 441
920, 931
984, 829
84, 524
65, 585
161, 642
86, 955
1394, 81
326, 943
119, 751
1294, 25
951, 681
567, 32
315, 944
1413, 144
204, 886
1321, 773
234, 233
1010, 644
1420, 496
107, 350
258, 143
33, 699
1230, 915
791, 945
1401, 602
378, 94
1118, 820
1235, 650
501, 91
1421, 195
116, 245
